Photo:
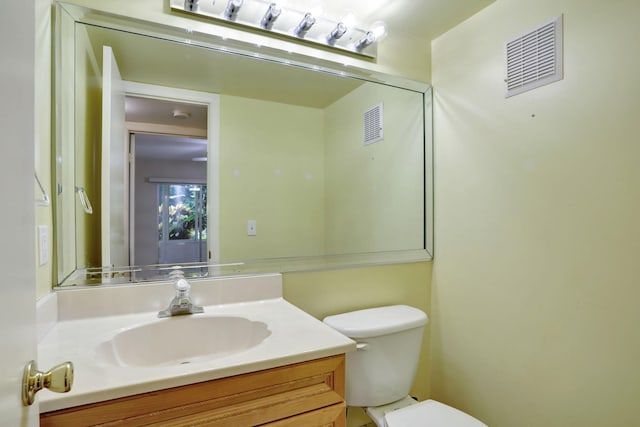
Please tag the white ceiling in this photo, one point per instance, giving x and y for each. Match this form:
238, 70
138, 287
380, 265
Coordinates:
169, 147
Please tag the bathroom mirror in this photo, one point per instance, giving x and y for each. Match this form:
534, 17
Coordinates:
179, 148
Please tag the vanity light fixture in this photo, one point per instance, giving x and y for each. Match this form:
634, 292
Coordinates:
336, 33
233, 7
305, 25
191, 5
270, 16
377, 32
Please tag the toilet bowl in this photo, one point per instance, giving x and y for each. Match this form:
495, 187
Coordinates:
380, 372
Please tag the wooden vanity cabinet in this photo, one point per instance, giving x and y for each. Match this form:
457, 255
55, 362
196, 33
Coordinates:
304, 394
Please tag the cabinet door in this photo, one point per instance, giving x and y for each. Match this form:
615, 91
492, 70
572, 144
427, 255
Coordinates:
332, 416
244, 400
260, 411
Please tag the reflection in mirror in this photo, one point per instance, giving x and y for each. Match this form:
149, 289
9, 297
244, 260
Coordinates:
168, 221
286, 168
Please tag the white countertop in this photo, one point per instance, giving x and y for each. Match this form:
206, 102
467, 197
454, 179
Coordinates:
295, 337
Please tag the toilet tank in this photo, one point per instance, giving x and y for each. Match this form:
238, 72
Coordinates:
383, 367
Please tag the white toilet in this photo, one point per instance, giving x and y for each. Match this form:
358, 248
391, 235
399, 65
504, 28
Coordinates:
380, 372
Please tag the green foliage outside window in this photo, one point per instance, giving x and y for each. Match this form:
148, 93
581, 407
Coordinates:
182, 212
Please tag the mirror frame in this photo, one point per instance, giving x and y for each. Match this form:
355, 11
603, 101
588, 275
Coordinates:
210, 40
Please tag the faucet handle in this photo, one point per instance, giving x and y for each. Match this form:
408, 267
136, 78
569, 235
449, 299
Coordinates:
182, 285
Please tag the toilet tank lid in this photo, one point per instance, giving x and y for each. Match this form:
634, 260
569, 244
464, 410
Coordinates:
377, 321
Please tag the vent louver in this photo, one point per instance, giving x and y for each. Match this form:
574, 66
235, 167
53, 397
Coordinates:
534, 59
373, 125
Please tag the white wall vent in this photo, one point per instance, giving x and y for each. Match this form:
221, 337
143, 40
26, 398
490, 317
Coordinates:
373, 125
534, 59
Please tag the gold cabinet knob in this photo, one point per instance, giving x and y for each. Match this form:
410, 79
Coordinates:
58, 379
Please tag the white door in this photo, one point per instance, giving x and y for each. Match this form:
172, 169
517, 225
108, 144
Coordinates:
114, 165
132, 198
17, 253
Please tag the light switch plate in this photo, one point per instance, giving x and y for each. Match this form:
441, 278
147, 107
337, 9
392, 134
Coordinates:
251, 227
43, 244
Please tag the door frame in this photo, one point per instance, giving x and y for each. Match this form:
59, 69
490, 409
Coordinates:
212, 102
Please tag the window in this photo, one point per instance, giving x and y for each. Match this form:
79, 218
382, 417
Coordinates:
182, 212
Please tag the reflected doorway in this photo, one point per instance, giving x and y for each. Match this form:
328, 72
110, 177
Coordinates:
172, 139
169, 199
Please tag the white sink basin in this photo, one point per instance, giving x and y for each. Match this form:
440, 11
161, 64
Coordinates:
181, 340
120, 348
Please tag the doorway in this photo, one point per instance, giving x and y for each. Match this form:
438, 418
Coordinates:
173, 175
169, 207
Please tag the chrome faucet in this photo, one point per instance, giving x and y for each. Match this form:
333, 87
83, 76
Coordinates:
181, 303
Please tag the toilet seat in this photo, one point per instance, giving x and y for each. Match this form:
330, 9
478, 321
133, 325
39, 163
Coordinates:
430, 413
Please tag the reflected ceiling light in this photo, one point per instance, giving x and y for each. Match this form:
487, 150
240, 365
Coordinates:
179, 114
233, 7
199, 159
270, 16
336, 33
365, 41
305, 25
377, 32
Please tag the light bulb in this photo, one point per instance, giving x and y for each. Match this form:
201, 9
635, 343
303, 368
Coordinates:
233, 7
191, 5
379, 30
336, 33
305, 25
270, 16
365, 41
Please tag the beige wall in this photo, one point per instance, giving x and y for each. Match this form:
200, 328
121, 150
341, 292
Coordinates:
374, 193
272, 171
535, 281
